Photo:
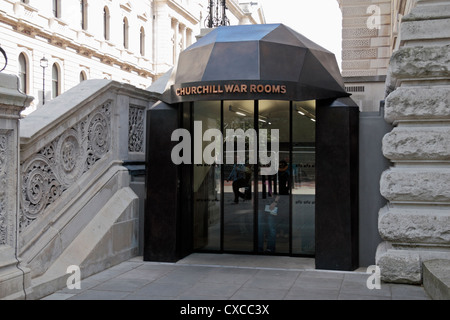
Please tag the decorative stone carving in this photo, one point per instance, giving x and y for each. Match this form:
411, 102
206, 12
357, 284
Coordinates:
136, 129
3, 192
99, 133
59, 165
69, 157
40, 187
360, 54
7, 195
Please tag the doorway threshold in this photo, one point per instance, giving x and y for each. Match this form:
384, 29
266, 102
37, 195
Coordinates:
249, 261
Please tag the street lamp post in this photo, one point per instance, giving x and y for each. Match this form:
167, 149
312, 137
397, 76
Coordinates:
44, 64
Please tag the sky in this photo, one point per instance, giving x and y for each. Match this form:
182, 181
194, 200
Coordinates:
318, 20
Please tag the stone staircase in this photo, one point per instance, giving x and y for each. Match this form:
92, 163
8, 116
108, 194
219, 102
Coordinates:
68, 200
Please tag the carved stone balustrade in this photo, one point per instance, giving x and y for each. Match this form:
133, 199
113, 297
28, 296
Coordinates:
77, 206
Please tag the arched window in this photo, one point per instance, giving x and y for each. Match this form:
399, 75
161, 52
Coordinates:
83, 76
142, 41
23, 73
55, 81
106, 18
83, 7
125, 33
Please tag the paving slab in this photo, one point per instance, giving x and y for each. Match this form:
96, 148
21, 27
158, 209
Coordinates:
233, 277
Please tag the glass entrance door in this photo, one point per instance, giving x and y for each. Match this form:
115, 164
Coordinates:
304, 177
239, 200
274, 189
263, 206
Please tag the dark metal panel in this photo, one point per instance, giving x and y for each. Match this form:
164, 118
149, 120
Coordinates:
243, 33
161, 208
259, 53
208, 39
233, 61
329, 63
337, 192
192, 64
314, 74
282, 35
281, 62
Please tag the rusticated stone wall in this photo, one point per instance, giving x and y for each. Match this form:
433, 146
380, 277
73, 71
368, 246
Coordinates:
415, 225
369, 36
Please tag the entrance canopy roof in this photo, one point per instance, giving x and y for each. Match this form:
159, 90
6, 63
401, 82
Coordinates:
253, 62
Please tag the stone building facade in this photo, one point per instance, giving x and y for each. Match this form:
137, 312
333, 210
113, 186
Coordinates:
398, 51
415, 225
129, 41
370, 35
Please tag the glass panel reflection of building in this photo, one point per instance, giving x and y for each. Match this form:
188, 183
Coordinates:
231, 201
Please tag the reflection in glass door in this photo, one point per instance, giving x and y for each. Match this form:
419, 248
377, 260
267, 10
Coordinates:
238, 216
304, 177
207, 183
237, 207
274, 190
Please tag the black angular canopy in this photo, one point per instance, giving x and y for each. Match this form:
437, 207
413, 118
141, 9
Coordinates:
258, 54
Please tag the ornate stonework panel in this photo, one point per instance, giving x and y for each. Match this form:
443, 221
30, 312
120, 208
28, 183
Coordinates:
57, 166
5, 180
136, 129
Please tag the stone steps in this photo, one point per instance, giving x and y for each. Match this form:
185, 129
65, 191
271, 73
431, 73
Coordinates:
436, 279
104, 242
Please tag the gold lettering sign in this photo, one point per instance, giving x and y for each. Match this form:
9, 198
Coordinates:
231, 89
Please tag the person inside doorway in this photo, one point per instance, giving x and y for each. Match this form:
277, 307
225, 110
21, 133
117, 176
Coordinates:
268, 225
241, 177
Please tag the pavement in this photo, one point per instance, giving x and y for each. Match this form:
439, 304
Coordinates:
233, 277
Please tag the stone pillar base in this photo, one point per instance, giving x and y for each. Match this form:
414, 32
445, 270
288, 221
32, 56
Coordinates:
404, 263
15, 281
398, 266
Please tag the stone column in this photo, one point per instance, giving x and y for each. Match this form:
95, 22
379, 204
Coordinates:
415, 225
14, 279
175, 40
